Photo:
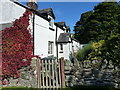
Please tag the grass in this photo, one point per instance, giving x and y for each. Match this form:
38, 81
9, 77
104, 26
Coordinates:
68, 88
93, 88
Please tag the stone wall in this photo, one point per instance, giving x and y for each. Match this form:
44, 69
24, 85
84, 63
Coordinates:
92, 73
27, 77
77, 73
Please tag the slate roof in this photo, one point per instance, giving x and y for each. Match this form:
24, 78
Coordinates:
64, 38
68, 29
60, 24
46, 12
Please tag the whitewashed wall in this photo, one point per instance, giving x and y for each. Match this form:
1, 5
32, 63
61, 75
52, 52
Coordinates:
42, 36
67, 47
76, 46
9, 11
67, 51
59, 30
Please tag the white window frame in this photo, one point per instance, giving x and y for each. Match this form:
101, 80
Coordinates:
50, 47
51, 22
61, 48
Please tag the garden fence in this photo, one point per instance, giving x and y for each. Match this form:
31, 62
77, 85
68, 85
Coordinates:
50, 73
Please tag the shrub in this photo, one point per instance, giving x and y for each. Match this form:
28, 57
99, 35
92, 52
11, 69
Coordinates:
82, 53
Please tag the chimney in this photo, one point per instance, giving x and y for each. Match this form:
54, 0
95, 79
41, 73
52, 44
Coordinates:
32, 1
32, 4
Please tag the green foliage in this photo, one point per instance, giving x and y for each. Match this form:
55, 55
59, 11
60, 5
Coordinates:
99, 24
111, 50
106, 49
103, 27
96, 53
82, 53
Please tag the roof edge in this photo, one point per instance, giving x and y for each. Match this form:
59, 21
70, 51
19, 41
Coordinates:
36, 12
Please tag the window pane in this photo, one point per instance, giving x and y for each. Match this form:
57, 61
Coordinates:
50, 47
61, 47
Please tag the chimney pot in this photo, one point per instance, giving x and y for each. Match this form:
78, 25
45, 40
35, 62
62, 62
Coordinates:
32, 1
32, 4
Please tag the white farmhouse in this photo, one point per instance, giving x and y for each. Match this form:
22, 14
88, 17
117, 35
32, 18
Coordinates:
50, 39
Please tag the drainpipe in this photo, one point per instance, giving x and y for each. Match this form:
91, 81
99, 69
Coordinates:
32, 4
33, 32
56, 42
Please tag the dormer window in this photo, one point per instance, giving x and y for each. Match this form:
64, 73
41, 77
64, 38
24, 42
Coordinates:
64, 27
51, 21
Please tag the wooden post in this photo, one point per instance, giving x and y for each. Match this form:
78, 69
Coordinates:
53, 74
43, 70
49, 63
56, 74
38, 73
59, 74
46, 73
62, 72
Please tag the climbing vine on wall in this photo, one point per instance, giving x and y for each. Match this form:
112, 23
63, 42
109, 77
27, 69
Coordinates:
17, 46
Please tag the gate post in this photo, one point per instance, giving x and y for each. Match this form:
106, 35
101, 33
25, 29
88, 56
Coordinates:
62, 71
38, 73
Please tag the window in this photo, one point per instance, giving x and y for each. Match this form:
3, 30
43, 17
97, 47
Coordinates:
61, 48
50, 47
51, 22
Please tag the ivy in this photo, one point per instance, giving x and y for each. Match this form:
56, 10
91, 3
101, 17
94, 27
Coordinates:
17, 47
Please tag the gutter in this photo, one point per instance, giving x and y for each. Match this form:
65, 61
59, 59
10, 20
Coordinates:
65, 42
59, 26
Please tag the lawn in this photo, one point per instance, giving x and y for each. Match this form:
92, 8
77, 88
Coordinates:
68, 88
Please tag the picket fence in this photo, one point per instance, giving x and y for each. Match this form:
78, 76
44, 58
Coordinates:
50, 73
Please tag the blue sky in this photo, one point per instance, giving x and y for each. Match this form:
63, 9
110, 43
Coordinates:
69, 12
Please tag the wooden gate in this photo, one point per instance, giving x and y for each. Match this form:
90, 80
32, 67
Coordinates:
50, 73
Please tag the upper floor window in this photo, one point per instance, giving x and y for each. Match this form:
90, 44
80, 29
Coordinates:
50, 47
61, 48
51, 21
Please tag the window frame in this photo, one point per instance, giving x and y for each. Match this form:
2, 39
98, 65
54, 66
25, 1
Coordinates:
61, 48
51, 22
50, 47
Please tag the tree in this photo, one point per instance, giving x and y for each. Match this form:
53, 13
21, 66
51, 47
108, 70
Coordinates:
80, 30
99, 24
106, 50
111, 50
102, 26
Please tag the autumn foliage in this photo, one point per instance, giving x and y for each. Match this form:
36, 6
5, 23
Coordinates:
17, 46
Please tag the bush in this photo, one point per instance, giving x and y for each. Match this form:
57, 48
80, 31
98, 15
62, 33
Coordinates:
82, 53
